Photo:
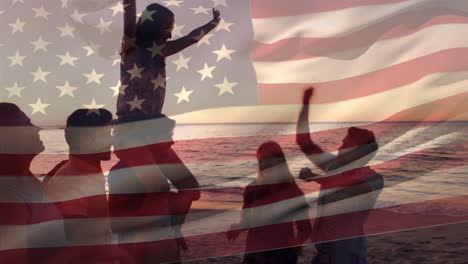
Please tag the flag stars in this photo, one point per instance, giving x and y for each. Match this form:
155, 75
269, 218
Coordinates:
226, 86
159, 82
219, 3
16, 60
116, 59
172, 3
177, 31
15, 90
91, 48
64, 3
17, 1
39, 107
136, 103
206, 71
203, 38
182, 62
93, 77
93, 108
17, 26
200, 10
118, 8
77, 16
223, 53
40, 75
41, 12
66, 30
40, 44
66, 89
67, 59
223, 25
103, 26
183, 95
118, 89
156, 50
146, 16
135, 72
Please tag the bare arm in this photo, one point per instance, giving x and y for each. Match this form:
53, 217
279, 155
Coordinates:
315, 154
175, 46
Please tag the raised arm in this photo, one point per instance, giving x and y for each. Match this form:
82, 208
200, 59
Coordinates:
174, 46
320, 158
129, 21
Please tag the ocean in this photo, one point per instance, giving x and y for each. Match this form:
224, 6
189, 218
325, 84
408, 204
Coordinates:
419, 161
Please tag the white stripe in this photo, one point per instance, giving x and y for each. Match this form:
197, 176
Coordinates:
381, 55
340, 22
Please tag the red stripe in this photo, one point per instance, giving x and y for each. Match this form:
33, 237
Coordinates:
216, 244
279, 8
451, 60
399, 26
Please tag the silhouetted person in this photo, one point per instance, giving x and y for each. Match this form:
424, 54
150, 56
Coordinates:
79, 184
27, 222
348, 177
145, 47
138, 186
273, 205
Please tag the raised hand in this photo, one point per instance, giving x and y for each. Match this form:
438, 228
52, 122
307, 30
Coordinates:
216, 15
307, 95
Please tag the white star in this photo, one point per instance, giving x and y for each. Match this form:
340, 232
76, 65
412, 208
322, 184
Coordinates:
156, 50
223, 53
159, 82
40, 44
172, 3
2, 12
66, 30
14, 90
129, 42
39, 107
181, 62
64, 3
223, 25
118, 8
226, 86
93, 77
203, 38
135, 103
119, 88
200, 10
17, 26
103, 26
17, 1
146, 15
219, 2
66, 89
177, 31
16, 60
183, 95
92, 48
206, 71
39, 75
93, 108
67, 59
135, 72
41, 12
77, 17
115, 58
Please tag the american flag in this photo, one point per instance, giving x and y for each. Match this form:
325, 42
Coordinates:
384, 60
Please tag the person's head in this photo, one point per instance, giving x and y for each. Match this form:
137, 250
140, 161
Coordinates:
154, 133
357, 144
272, 166
20, 140
87, 132
155, 25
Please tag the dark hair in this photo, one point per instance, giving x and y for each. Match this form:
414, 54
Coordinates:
11, 115
270, 155
82, 118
